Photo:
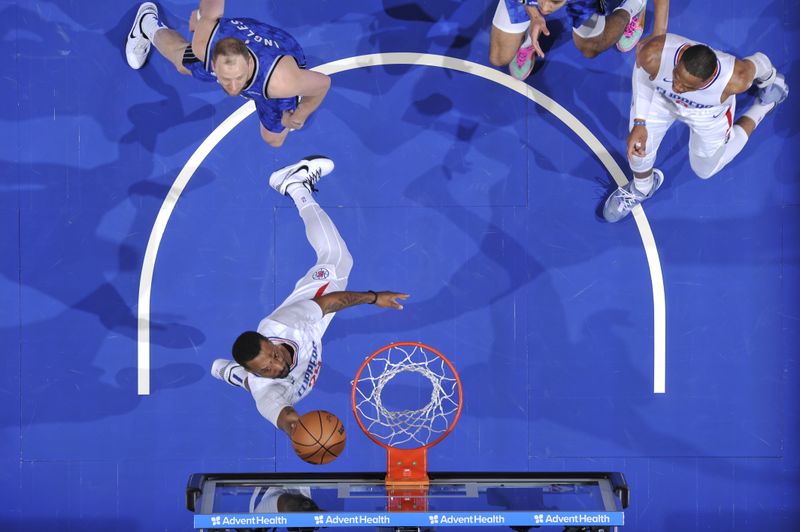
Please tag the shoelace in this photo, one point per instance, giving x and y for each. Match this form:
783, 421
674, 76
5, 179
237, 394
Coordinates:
629, 199
522, 55
313, 177
631, 27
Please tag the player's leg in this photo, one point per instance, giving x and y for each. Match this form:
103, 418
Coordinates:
509, 42
624, 27
646, 179
270, 114
714, 143
147, 30
334, 262
275, 140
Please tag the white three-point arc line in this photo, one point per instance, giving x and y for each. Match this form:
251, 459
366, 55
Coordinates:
418, 59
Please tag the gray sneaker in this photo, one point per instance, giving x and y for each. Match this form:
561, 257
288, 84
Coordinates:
306, 172
775, 92
624, 199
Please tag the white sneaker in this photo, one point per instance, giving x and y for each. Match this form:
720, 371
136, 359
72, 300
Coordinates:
137, 46
225, 370
306, 172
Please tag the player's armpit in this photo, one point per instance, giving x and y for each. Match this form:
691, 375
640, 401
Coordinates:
287, 420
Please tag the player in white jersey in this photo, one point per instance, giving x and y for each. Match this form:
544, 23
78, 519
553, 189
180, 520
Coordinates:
280, 362
678, 79
596, 26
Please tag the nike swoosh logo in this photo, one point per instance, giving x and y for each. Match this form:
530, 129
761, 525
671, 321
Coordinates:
139, 24
667, 80
718, 114
304, 167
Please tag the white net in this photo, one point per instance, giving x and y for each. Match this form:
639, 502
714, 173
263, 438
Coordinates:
410, 428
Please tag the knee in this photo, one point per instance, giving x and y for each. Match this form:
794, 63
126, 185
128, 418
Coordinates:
345, 264
497, 59
274, 141
703, 171
588, 49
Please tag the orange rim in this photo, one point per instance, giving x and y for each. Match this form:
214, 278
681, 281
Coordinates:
426, 348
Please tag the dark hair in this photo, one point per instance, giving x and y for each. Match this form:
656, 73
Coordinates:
700, 61
230, 46
295, 502
247, 347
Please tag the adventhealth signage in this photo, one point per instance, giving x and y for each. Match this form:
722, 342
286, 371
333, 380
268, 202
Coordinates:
352, 519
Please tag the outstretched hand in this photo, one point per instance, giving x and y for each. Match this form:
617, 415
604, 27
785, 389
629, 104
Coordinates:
389, 299
538, 26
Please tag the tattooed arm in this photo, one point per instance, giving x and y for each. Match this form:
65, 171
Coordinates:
336, 301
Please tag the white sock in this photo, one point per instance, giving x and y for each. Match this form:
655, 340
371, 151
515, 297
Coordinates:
643, 184
632, 7
150, 25
301, 196
758, 111
527, 42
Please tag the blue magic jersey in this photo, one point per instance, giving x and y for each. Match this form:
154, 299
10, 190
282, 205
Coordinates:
267, 44
578, 11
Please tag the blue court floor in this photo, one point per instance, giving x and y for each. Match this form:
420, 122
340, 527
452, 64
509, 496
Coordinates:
665, 349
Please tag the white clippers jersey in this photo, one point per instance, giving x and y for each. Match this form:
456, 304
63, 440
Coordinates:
299, 325
707, 97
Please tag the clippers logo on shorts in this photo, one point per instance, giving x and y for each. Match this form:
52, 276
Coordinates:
320, 274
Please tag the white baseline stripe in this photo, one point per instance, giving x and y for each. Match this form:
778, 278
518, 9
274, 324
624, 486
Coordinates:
407, 58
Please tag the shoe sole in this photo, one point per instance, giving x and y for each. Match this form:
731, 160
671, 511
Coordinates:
641, 16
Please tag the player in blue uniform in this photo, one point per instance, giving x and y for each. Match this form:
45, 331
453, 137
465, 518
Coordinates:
246, 57
596, 26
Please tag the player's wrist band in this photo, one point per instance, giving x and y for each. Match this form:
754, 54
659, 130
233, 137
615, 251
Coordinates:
374, 294
639, 122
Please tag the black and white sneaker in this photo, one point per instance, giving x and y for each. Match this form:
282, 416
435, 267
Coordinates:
137, 46
306, 172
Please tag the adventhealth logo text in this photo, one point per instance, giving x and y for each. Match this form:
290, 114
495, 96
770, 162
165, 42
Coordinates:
338, 520
574, 519
461, 519
249, 520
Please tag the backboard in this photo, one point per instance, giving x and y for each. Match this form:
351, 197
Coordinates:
354, 500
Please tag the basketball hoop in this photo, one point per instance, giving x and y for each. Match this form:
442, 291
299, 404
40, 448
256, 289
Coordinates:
406, 432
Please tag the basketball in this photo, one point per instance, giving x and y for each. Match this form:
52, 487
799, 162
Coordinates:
319, 437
